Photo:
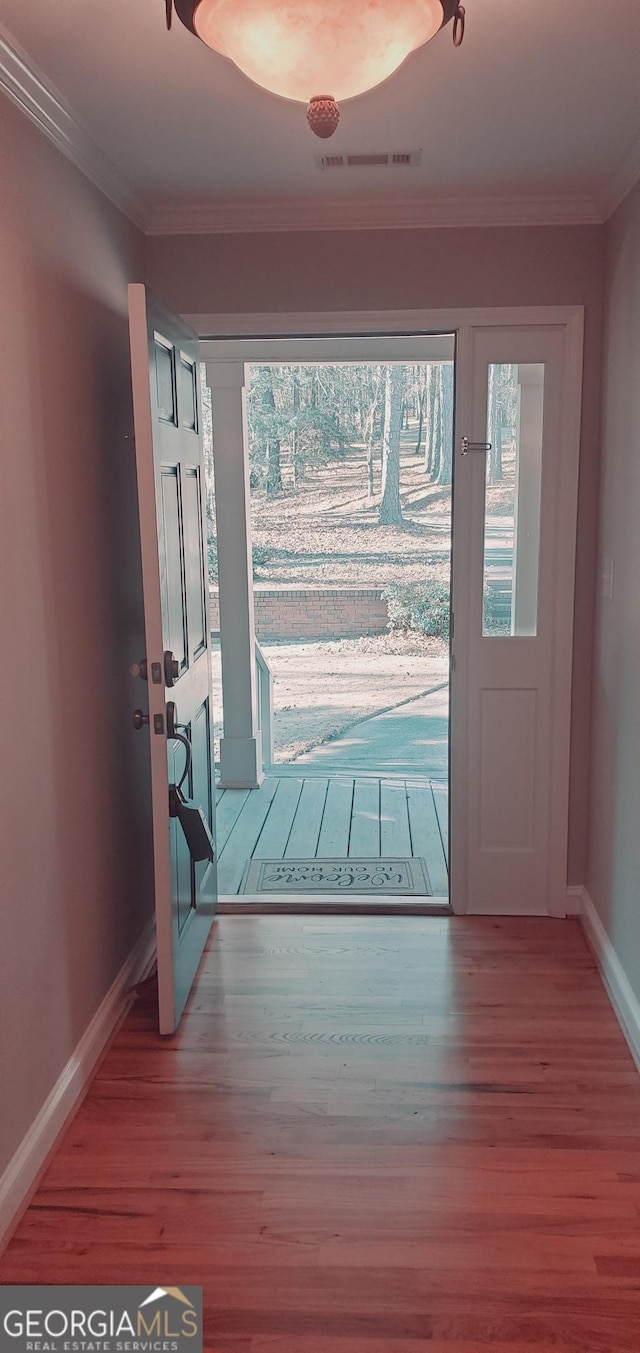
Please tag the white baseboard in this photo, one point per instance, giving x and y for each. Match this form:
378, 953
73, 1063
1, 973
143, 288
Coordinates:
625, 1003
575, 899
23, 1172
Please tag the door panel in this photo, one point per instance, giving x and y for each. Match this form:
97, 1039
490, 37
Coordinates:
169, 463
512, 648
164, 359
508, 734
188, 384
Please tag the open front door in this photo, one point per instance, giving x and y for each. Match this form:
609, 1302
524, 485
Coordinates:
177, 666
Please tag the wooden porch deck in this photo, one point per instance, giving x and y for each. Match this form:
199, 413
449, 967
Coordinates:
295, 816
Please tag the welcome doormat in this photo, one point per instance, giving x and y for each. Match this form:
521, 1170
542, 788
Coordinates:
386, 878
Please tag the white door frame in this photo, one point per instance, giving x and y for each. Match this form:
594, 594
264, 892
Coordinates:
243, 338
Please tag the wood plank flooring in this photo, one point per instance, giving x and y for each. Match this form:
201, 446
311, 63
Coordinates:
309, 817
369, 1136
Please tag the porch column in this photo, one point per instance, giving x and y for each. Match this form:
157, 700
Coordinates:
240, 746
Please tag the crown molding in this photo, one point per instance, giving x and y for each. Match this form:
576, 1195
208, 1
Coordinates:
621, 182
34, 94
383, 214
31, 91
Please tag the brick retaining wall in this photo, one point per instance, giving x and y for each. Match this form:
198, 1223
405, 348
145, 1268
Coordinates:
314, 612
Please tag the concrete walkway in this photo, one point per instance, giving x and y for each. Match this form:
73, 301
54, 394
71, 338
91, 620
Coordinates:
409, 738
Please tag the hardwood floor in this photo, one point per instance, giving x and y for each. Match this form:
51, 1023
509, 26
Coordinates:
369, 1136
310, 817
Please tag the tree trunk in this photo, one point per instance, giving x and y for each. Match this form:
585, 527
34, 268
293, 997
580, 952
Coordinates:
435, 435
497, 454
493, 421
430, 412
274, 471
297, 460
369, 430
370, 484
421, 399
446, 424
390, 507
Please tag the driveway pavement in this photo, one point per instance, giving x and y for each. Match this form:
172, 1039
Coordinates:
412, 738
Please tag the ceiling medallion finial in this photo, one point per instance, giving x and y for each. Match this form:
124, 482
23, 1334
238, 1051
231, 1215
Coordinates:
291, 47
323, 115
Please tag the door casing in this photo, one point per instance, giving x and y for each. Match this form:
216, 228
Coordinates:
364, 336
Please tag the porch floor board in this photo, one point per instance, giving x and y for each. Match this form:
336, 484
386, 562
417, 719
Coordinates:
343, 817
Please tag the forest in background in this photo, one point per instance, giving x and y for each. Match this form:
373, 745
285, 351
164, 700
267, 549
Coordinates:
350, 472
304, 416
300, 416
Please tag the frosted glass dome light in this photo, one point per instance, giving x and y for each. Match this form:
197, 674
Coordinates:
301, 49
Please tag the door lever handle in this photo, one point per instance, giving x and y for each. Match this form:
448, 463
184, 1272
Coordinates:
177, 732
468, 446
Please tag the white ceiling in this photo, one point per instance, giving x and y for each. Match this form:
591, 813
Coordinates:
537, 116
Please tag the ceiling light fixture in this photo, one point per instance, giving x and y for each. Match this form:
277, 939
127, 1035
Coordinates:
293, 47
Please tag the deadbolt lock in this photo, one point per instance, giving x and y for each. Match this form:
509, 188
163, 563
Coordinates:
171, 668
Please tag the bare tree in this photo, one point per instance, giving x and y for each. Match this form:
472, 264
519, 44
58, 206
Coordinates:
446, 423
432, 444
494, 423
297, 460
370, 427
438, 416
274, 471
390, 506
421, 396
502, 413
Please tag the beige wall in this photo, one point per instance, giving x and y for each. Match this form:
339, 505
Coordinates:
406, 269
74, 834
613, 875
74, 839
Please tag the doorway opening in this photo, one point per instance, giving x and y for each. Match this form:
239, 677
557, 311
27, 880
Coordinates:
351, 471
511, 726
